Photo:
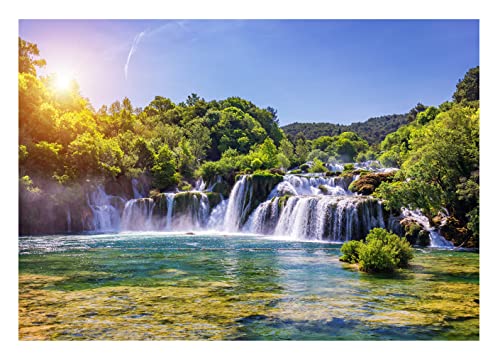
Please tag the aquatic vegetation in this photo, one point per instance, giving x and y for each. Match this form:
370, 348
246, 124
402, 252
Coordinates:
186, 287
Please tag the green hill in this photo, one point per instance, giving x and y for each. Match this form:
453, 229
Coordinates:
373, 130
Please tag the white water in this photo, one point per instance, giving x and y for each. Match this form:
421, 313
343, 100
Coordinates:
135, 190
237, 206
170, 209
104, 209
301, 207
436, 240
68, 220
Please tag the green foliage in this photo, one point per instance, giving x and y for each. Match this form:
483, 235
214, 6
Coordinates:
163, 170
348, 167
237, 130
426, 116
256, 164
382, 251
317, 153
468, 88
350, 250
283, 161
372, 130
27, 54
301, 150
317, 166
441, 168
346, 146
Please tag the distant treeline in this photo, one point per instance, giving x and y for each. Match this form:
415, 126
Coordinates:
373, 130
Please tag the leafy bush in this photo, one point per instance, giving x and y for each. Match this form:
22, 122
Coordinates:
256, 164
304, 167
317, 166
351, 250
382, 251
348, 167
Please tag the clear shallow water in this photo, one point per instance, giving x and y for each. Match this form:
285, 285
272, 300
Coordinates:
177, 286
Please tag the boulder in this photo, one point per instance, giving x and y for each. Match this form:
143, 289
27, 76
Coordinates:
367, 183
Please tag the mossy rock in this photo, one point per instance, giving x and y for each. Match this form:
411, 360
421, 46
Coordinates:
185, 186
222, 188
414, 232
183, 200
261, 184
214, 198
282, 201
333, 173
456, 231
368, 182
323, 189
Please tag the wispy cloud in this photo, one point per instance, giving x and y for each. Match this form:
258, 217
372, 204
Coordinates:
135, 44
181, 28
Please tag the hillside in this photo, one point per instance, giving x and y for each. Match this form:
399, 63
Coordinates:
373, 130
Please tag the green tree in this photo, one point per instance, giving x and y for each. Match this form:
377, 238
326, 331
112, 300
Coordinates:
163, 170
443, 156
468, 88
27, 54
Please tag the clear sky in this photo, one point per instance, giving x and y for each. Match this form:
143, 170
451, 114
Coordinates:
338, 71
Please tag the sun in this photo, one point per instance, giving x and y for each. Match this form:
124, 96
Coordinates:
62, 81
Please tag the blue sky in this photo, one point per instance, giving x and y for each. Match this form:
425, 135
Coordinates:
339, 71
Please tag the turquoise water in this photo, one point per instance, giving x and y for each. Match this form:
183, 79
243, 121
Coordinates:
236, 287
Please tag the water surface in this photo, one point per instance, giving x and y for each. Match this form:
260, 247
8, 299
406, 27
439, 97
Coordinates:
161, 286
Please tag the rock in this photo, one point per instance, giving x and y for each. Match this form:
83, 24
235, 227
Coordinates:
214, 198
414, 232
222, 188
367, 183
455, 231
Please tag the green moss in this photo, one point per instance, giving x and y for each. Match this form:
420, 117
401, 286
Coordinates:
214, 198
222, 188
368, 182
182, 201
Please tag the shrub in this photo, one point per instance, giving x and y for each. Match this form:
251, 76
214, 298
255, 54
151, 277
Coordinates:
382, 251
376, 257
304, 167
351, 250
348, 167
256, 164
317, 166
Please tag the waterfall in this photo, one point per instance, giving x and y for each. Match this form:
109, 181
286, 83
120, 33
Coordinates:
105, 209
239, 202
318, 217
190, 211
138, 215
200, 185
68, 220
313, 185
436, 240
264, 219
216, 219
137, 194
170, 209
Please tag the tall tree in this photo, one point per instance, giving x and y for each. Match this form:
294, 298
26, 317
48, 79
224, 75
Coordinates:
468, 88
27, 54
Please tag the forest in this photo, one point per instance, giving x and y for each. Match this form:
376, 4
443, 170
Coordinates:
64, 143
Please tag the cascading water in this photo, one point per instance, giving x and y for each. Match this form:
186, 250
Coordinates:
68, 220
313, 207
138, 215
239, 202
436, 240
105, 209
170, 209
328, 217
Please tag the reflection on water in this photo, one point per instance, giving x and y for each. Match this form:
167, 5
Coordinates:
168, 286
